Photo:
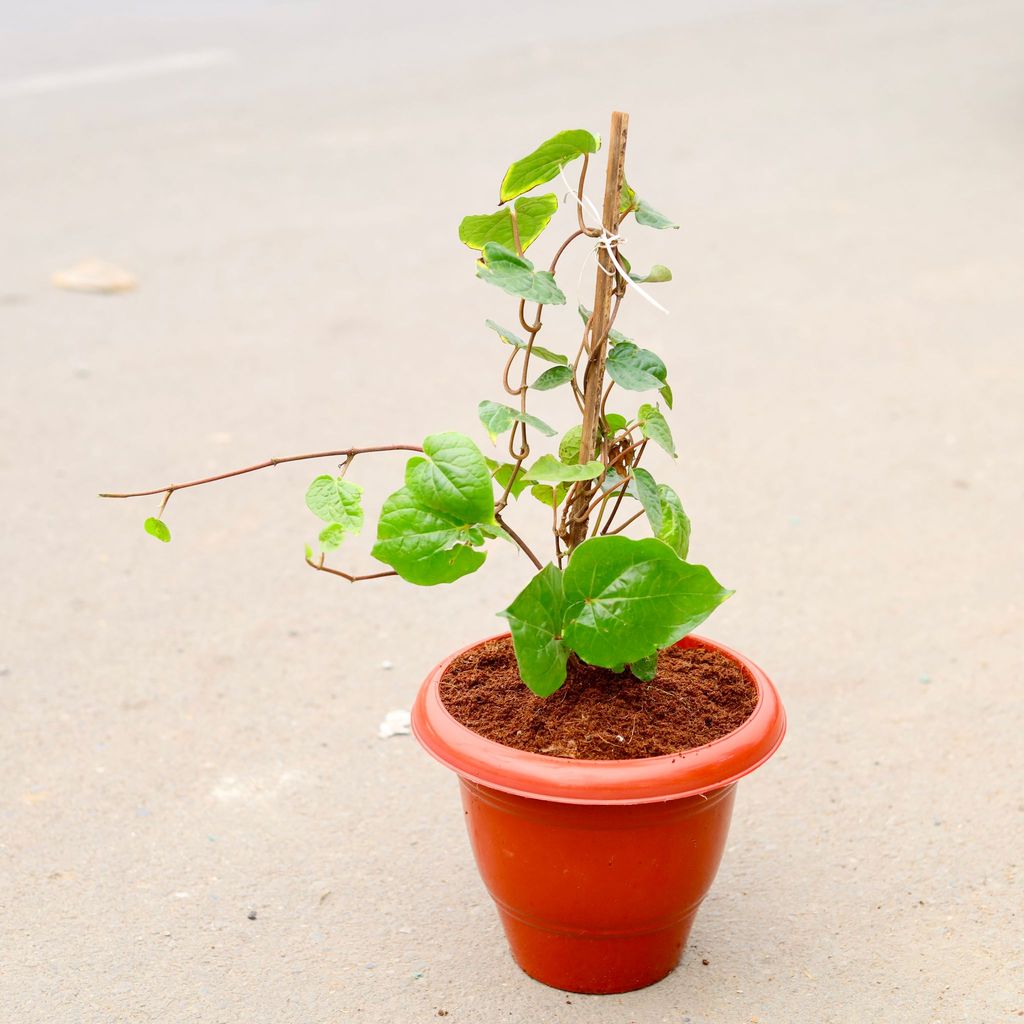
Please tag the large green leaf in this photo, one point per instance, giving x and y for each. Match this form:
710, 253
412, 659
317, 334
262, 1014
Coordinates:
452, 477
532, 216
635, 369
515, 275
334, 500
498, 418
422, 545
645, 490
626, 599
654, 425
647, 215
535, 619
546, 161
549, 470
553, 377
675, 523
541, 353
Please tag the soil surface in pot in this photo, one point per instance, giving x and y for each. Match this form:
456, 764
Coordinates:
697, 696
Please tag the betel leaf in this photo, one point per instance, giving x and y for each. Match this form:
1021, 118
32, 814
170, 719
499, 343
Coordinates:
541, 353
615, 422
675, 523
422, 545
498, 418
331, 537
626, 599
635, 369
614, 336
666, 393
157, 528
452, 477
656, 275
549, 470
648, 216
535, 619
645, 490
550, 495
502, 474
654, 425
554, 377
515, 275
334, 500
646, 668
546, 161
532, 216
569, 446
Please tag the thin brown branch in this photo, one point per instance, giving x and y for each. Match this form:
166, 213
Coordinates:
348, 452
320, 567
520, 543
632, 519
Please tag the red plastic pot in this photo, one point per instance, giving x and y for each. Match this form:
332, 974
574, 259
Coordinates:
598, 867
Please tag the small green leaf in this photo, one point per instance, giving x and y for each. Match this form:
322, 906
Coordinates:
334, 500
502, 473
569, 446
332, 536
614, 336
666, 393
646, 492
498, 418
615, 423
157, 528
656, 275
648, 216
635, 369
546, 161
309, 553
422, 545
675, 523
515, 275
452, 477
532, 216
541, 353
646, 668
654, 425
535, 619
626, 599
549, 470
548, 495
627, 198
554, 377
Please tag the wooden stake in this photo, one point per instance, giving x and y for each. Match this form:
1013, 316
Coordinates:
593, 378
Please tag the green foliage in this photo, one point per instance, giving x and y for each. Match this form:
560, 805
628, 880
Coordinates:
618, 602
614, 336
515, 275
157, 528
541, 353
452, 477
656, 275
549, 470
645, 490
498, 418
532, 216
637, 369
648, 216
338, 503
551, 378
674, 528
569, 446
546, 161
502, 474
550, 495
654, 425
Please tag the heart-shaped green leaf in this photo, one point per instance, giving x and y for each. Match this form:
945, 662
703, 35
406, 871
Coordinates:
549, 470
515, 275
635, 369
626, 599
532, 216
498, 418
541, 353
648, 216
452, 477
502, 474
569, 446
554, 377
654, 425
675, 524
546, 161
334, 500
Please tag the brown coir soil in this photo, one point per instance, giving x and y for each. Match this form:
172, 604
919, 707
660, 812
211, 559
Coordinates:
697, 696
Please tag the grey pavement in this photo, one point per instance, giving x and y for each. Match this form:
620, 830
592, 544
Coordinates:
188, 733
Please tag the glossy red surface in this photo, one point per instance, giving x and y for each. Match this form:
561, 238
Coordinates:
598, 867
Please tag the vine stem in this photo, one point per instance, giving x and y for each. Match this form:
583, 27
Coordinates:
520, 543
349, 453
320, 567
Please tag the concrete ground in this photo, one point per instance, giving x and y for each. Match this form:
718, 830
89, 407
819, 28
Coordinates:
189, 732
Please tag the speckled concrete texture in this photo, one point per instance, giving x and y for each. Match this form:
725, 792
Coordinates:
198, 822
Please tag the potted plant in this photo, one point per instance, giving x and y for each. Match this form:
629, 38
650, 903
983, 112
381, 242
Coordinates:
598, 744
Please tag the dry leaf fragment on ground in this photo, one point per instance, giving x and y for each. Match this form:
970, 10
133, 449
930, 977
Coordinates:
95, 276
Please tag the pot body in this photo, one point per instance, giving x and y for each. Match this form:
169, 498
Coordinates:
596, 898
597, 868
